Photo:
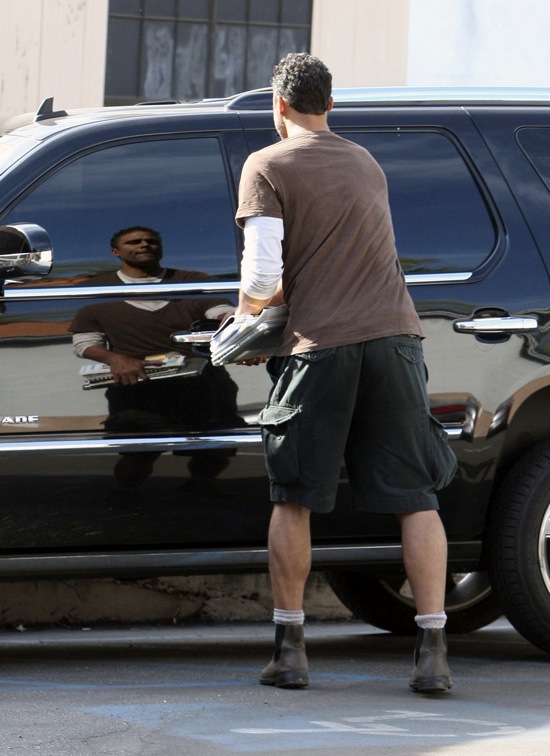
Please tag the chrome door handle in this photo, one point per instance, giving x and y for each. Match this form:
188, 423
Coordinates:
192, 337
497, 325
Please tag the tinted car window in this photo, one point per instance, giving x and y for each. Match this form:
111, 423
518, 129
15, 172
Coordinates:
177, 186
442, 223
536, 145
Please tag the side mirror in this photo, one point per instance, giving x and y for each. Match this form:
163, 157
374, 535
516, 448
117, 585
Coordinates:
25, 252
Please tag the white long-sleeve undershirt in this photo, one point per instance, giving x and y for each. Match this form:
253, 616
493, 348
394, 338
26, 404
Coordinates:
262, 263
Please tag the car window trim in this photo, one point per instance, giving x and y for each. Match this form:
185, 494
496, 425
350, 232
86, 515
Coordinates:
125, 290
416, 279
207, 287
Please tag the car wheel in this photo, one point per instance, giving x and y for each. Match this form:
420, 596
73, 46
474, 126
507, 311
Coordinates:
520, 546
386, 601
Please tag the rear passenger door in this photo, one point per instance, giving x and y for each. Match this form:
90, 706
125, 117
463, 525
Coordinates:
520, 140
467, 255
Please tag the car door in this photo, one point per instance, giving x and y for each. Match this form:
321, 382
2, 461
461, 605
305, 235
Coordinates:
60, 453
477, 279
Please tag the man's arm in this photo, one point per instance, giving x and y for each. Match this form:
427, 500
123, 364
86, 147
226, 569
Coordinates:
262, 265
93, 346
251, 306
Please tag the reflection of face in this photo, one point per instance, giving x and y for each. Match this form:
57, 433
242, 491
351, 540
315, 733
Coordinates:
139, 249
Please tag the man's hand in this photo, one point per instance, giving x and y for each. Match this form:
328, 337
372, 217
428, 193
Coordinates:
252, 361
127, 371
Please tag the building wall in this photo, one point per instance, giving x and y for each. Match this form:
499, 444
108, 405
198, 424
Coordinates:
363, 42
58, 47
52, 48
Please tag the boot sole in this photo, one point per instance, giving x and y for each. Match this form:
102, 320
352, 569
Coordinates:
287, 680
431, 685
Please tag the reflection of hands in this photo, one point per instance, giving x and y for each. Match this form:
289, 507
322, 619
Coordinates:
226, 315
127, 370
252, 361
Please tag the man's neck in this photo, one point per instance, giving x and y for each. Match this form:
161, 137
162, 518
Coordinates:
290, 122
298, 129
150, 272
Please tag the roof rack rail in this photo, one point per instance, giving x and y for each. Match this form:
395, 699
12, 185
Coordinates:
158, 102
46, 111
260, 99
256, 99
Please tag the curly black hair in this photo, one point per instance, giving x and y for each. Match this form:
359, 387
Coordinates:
123, 231
304, 82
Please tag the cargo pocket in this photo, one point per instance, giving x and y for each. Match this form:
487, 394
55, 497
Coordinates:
444, 462
409, 347
280, 433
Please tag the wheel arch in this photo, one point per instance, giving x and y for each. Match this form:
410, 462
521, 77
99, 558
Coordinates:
528, 425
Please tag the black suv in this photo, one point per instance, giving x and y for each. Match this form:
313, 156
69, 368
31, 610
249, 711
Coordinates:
469, 183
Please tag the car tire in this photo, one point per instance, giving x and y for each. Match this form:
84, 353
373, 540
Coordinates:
520, 546
385, 601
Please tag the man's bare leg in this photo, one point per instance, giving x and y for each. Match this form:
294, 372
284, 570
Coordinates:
289, 544
425, 559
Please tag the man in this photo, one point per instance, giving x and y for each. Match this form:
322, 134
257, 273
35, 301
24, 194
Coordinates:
122, 334
349, 378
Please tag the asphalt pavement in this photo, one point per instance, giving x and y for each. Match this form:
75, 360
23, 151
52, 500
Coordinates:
192, 689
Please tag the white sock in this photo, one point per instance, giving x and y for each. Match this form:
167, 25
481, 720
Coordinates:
288, 617
433, 621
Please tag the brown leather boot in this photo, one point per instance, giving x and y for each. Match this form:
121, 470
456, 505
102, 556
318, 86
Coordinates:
431, 673
288, 667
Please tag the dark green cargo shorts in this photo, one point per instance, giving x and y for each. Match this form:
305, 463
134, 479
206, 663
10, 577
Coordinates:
363, 403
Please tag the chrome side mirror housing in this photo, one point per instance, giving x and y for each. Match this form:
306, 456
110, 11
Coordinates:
26, 252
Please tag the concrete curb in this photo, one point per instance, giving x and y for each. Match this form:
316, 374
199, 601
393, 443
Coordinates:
174, 600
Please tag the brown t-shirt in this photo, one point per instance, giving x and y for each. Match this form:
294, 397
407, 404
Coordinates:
136, 332
342, 280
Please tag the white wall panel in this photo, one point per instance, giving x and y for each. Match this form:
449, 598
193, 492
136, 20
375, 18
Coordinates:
363, 42
52, 48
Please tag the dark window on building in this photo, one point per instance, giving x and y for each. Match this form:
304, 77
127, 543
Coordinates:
177, 186
441, 220
191, 49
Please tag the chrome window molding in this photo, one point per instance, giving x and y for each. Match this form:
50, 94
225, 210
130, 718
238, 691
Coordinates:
415, 279
207, 287
125, 290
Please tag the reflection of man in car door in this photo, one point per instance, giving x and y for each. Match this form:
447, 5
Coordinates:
122, 334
